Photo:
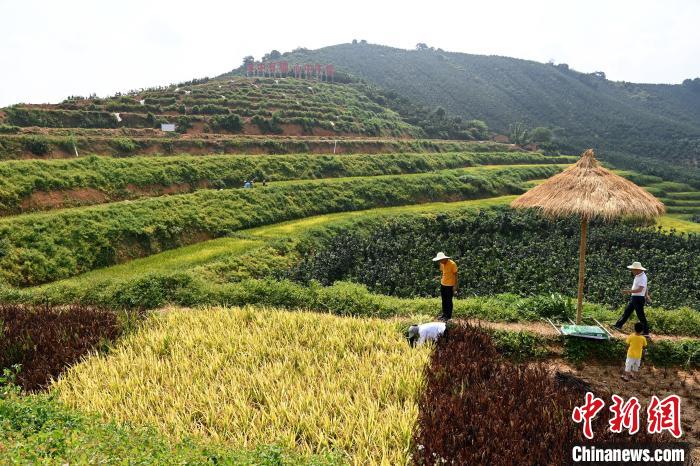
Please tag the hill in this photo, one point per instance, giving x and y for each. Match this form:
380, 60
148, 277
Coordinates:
230, 106
619, 119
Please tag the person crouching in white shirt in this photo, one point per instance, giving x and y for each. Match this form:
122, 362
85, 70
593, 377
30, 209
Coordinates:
419, 334
638, 294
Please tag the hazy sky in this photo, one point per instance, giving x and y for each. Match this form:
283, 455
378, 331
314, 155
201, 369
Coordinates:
52, 49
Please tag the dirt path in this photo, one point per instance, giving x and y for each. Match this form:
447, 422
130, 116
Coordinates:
651, 381
544, 329
606, 378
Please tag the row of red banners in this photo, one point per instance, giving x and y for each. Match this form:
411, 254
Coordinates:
282, 68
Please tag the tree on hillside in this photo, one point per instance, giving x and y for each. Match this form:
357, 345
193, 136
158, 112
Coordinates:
541, 135
421, 46
248, 59
273, 55
478, 129
519, 134
692, 84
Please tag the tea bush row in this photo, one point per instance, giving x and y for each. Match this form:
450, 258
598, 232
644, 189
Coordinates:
506, 251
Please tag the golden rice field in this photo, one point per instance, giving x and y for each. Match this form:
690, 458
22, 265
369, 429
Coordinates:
242, 377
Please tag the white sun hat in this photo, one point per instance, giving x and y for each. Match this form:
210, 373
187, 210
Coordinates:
636, 266
440, 256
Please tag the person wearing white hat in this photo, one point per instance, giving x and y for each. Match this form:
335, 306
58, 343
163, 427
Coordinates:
638, 294
419, 334
448, 283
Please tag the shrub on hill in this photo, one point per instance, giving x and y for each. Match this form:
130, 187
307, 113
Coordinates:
209, 109
231, 123
9, 129
20, 116
267, 126
37, 145
124, 145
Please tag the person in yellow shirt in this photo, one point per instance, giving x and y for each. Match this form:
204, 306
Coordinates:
636, 344
448, 283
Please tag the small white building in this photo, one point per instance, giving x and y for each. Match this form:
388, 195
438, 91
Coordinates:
169, 127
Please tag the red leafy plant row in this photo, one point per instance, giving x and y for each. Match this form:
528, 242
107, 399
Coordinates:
479, 408
46, 340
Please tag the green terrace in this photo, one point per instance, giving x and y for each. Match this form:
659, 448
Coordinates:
43, 247
127, 142
29, 185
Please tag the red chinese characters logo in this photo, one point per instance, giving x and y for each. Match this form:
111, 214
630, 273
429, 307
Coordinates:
625, 415
661, 415
665, 415
587, 412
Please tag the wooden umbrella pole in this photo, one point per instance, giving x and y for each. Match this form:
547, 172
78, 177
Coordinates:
581, 268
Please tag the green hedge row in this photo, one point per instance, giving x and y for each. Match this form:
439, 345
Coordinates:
39, 248
349, 299
343, 298
118, 178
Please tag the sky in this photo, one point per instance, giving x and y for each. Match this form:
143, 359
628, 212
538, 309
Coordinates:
52, 49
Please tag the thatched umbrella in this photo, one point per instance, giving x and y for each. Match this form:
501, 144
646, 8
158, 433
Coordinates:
589, 191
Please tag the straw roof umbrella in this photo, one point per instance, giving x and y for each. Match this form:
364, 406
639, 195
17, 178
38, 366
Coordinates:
589, 191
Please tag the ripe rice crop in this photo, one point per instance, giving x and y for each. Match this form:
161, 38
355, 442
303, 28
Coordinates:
245, 378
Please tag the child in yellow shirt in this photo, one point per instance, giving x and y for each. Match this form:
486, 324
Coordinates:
636, 344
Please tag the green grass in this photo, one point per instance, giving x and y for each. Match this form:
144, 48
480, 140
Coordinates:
245, 241
682, 202
183, 258
679, 223
38, 429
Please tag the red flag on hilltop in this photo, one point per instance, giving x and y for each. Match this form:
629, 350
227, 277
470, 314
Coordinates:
284, 67
250, 67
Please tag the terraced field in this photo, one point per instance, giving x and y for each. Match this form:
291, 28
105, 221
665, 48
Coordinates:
682, 201
100, 208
